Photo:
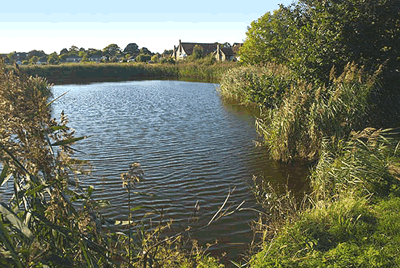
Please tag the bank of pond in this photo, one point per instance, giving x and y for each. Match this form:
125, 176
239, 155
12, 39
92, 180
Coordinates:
81, 73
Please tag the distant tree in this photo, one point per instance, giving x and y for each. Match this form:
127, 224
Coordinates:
73, 49
167, 52
169, 60
154, 58
197, 52
85, 57
33, 59
64, 51
11, 56
145, 50
132, 48
92, 51
82, 53
82, 49
111, 50
37, 53
143, 58
62, 57
53, 58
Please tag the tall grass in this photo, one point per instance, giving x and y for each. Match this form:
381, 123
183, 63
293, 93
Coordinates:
309, 113
256, 85
74, 73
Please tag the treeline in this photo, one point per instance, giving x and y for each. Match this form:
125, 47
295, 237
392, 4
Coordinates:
325, 75
110, 53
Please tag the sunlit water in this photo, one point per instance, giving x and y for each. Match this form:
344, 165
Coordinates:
193, 148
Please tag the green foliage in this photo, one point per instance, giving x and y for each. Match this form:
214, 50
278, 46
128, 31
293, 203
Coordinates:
39, 222
348, 233
87, 72
111, 50
33, 60
131, 48
168, 60
309, 113
360, 166
311, 37
197, 52
154, 58
254, 85
143, 58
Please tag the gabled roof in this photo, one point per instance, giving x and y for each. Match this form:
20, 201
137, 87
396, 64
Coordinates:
227, 51
207, 47
73, 57
236, 47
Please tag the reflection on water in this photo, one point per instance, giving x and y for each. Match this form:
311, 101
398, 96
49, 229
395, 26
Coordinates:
192, 147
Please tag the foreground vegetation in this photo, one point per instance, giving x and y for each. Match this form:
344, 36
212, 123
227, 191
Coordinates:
325, 76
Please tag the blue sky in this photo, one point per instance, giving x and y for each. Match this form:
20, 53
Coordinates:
157, 25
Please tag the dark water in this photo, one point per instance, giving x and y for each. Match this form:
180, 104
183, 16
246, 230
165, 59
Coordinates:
193, 148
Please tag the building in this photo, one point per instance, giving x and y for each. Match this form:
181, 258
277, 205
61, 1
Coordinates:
73, 58
185, 49
224, 54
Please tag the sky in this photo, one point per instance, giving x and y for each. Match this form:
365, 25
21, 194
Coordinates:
53, 25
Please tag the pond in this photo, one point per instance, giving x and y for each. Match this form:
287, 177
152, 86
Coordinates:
193, 148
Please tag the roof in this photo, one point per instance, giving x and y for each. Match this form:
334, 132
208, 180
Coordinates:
236, 47
207, 47
227, 51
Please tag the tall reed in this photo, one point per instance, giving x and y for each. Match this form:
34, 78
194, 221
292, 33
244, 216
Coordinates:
309, 113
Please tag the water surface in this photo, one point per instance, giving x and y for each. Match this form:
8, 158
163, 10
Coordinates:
193, 148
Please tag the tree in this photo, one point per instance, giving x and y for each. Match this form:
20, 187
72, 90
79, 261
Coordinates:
37, 53
64, 51
154, 58
143, 58
33, 60
82, 53
111, 50
197, 52
73, 49
53, 58
167, 52
11, 56
312, 36
132, 48
145, 50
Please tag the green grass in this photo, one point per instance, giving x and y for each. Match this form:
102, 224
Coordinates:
347, 233
351, 216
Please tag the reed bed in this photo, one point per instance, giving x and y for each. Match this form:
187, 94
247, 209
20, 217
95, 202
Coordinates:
75, 73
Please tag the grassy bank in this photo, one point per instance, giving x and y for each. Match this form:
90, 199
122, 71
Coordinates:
349, 217
111, 72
